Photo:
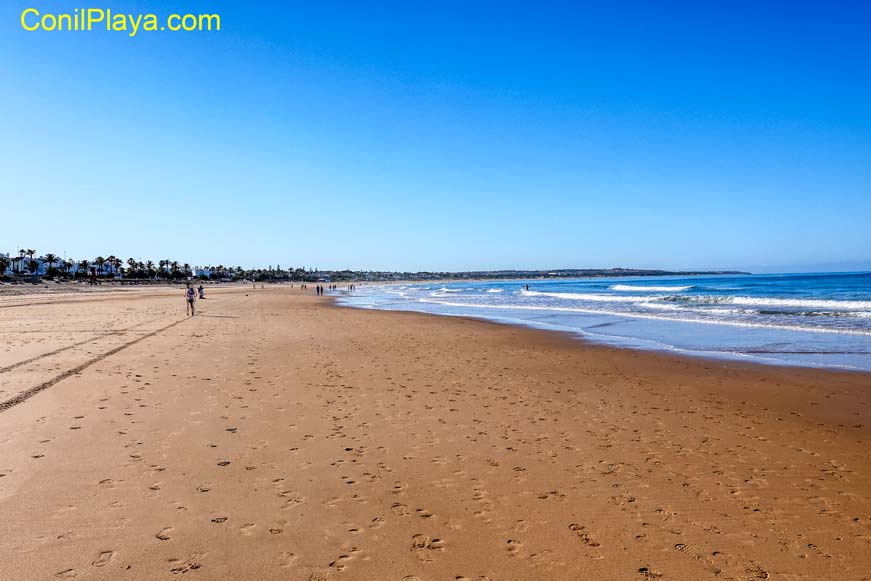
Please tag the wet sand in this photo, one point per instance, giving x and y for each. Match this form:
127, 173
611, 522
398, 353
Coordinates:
275, 436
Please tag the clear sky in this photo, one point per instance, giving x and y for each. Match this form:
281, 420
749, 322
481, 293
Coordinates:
445, 135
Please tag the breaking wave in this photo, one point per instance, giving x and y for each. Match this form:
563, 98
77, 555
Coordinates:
652, 289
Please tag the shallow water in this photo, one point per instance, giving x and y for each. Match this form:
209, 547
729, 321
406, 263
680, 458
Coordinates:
820, 320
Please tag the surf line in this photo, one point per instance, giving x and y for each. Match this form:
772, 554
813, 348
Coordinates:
26, 395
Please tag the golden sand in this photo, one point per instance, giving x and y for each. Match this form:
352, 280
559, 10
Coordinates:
275, 436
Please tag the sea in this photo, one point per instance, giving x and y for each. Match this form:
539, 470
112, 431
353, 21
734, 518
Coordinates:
813, 320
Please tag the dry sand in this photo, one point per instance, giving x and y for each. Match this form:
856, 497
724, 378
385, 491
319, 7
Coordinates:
278, 437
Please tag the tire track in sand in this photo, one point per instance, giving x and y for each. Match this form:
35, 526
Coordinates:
27, 394
74, 345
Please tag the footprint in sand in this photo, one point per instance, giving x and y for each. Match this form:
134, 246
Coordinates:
756, 570
341, 562
190, 564
247, 529
163, 535
292, 499
514, 547
423, 547
399, 509
67, 574
545, 560
103, 559
287, 558
587, 539
648, 573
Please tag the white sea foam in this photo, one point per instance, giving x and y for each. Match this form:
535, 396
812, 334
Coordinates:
637, 315
652, 289
775, 302
588, 297
836, 323
664, 306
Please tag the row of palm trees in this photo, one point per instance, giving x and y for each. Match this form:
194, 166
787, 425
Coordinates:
26, 263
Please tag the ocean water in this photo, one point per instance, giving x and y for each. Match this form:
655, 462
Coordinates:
819, 320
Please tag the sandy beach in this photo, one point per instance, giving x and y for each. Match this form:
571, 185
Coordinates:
277, 436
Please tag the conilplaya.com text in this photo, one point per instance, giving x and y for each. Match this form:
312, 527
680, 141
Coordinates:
105, 19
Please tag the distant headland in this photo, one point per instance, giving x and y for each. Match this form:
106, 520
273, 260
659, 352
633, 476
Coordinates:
29, 266
558, 273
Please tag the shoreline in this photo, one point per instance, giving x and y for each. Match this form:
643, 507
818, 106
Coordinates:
278, 435
765, 328
680, 355
859, 380
579, 336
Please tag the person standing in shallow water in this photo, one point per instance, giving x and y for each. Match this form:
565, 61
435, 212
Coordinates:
191, 296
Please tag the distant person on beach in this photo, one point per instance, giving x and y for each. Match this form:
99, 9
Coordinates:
202, 292
191, 296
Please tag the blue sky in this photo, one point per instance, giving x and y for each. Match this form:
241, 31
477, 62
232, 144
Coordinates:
446, 135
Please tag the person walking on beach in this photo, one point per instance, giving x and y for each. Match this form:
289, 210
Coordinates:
191, 296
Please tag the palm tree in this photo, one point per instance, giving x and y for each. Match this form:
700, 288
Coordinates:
149, 268
83, 266
21, 254
174, 266
114, 262
187, 269
100, 261
4, 264
131, 263
67, 266
31, 253
50, 259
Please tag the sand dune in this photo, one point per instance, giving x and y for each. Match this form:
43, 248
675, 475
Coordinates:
278, 437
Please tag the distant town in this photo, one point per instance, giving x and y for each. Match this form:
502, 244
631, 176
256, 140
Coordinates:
28, 266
